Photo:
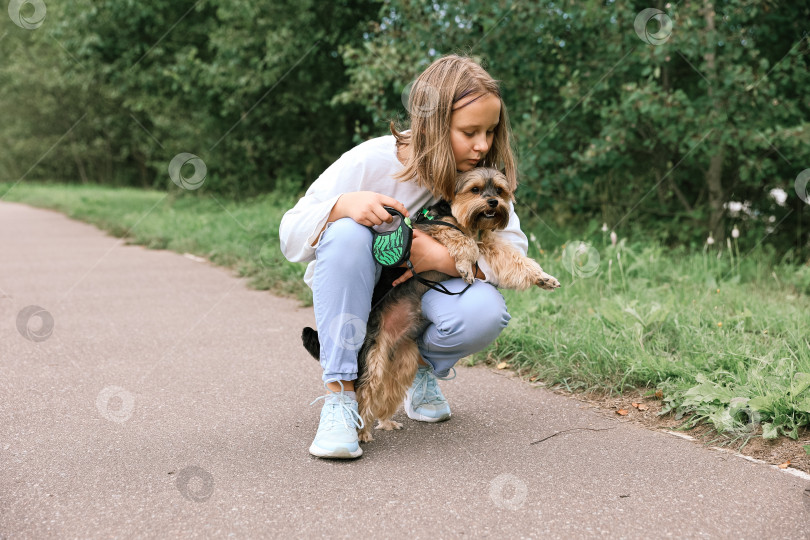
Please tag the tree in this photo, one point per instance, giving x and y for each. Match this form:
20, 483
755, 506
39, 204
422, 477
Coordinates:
246, 85
619, 129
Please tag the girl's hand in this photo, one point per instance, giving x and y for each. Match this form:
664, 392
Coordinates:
366, 208
428, 254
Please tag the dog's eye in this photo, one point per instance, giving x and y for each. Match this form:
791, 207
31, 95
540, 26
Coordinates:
475, 190
499, 191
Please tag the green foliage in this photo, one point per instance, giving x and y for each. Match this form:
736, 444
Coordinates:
653, 140
800, 279
611, 127
776, 400
245, 85
723, 337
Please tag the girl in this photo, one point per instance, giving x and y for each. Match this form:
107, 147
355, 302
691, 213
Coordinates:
458, 122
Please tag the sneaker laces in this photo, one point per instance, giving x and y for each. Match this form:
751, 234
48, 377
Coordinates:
341, 405
426, 388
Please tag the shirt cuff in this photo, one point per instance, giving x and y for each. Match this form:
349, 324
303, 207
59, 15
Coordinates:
324, 208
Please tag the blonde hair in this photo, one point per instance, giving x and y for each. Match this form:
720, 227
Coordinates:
430, 104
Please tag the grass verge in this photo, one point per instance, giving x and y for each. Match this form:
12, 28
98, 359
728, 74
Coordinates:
718, 336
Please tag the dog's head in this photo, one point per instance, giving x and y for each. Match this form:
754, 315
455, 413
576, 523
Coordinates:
481, 199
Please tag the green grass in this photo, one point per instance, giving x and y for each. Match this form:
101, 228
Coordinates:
728, 345
724, 337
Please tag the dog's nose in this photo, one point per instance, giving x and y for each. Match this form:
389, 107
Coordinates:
492, 202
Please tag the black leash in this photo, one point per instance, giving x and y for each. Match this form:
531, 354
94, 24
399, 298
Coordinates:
435, 285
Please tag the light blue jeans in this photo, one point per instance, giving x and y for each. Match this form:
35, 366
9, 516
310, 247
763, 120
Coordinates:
345, 275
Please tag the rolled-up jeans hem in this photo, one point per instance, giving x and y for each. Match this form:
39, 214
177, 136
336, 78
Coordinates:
432, 367
339, 376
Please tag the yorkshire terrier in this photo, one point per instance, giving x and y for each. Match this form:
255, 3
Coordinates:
389, 357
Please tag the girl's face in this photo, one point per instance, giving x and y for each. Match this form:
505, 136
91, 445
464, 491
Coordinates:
472, 129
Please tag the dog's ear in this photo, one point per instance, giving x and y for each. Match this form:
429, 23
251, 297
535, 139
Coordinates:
512, 184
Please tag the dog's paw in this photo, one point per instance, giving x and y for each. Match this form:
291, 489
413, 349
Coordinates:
545, 281
466, 270
388, 425
365, 435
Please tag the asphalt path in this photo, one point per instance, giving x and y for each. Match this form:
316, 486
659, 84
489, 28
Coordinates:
150, 395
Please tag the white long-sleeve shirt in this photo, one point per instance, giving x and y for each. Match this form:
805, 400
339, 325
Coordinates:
370, 166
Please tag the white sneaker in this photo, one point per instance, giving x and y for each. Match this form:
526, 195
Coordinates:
337, 431
424, 400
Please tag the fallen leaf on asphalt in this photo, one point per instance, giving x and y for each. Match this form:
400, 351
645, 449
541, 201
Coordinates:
659, 394
502, 365
533, 379
622, 412
784, 465
642, 407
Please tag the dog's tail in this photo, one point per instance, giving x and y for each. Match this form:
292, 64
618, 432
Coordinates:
309, 337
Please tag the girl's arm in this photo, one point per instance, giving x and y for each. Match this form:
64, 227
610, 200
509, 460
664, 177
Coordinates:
301, 226
342, 190
429, 254
365, 207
